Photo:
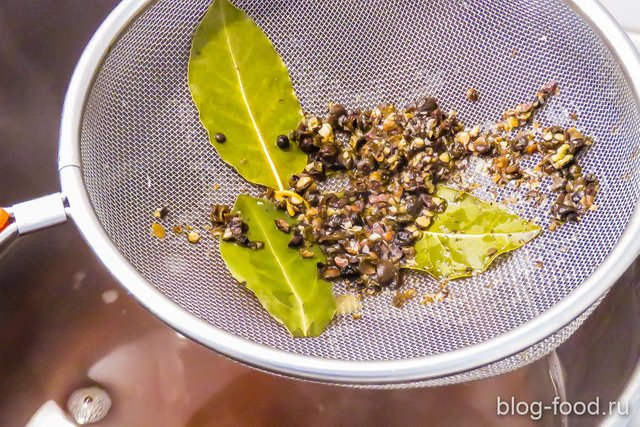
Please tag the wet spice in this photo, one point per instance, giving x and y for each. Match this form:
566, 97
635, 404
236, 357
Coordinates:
219, 214
257, 245
158, 230
472, 95
283, 225
161, 213
193, 237
296, 240
306, 253
402, 296
282, 142
229, 227
440, 295
393, 160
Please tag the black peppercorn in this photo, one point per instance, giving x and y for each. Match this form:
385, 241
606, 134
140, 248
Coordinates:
328, 152
307, 144
520, 143
296, 240
337, 116
316, 170
566, 213
387, 273
404, 238
414, 205
349, 272
243, 240
429, 105
283, 142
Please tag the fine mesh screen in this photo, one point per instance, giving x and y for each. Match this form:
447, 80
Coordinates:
143, 147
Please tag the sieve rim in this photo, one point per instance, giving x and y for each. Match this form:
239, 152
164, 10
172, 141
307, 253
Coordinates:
308, 367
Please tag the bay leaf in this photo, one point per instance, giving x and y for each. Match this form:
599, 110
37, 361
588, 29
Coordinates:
286, 284
469, 236
242, 89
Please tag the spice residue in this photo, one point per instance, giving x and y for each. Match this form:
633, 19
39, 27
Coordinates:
472, 95
158, 230
394, 159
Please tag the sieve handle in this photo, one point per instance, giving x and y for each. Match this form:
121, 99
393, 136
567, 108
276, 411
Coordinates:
7, 236
34, 215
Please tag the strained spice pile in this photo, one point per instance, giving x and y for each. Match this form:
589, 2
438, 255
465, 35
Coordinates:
395, 161
360, 195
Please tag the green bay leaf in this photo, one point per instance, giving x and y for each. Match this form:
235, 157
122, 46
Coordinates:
468, 236
286, 284
242, 89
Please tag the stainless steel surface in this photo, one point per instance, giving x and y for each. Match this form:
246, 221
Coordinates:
7, 237
141, 146
626, 13
65, 323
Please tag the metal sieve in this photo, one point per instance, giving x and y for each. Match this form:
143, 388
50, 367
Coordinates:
131, 142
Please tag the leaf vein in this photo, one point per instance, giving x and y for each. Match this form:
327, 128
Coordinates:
246, 103
305, 326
